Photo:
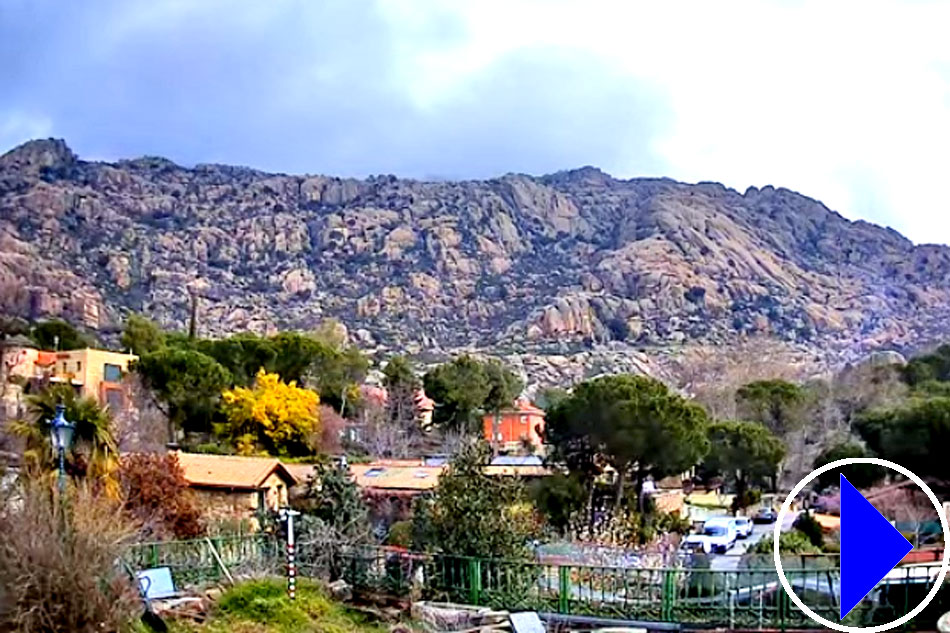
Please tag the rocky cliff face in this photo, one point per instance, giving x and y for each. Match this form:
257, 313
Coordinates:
517, 262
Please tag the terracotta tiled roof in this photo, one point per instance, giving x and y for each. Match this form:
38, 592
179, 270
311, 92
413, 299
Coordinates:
44, 359
301, 472
424, 402
396, 475
228, 471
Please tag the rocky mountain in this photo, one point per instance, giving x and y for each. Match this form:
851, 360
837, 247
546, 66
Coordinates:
559, 262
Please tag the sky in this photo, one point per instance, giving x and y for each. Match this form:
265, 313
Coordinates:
847, 102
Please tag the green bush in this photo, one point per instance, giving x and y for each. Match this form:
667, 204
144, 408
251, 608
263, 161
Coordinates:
809, 526
212, 448
794, 542
400, 534
746, 499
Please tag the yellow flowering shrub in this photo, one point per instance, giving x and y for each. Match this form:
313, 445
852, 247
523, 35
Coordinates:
272, 417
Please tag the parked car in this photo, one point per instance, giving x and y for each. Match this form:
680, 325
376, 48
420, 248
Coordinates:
765, 515
743, 526
696, 544
721, 533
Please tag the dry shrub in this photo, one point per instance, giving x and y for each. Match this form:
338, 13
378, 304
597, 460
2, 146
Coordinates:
332, 424
59, 568
156, 495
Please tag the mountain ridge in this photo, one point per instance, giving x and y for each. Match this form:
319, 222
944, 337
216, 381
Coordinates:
575, 258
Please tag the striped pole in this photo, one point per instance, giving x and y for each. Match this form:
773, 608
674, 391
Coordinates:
288, 515
291, 573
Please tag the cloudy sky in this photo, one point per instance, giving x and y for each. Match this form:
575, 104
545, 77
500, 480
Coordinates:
848, 102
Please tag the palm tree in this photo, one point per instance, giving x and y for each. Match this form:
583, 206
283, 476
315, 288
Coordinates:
94, 453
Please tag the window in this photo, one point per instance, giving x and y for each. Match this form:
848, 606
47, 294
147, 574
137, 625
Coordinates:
111, 373
374, 472
114, 400
524, 419
78, 366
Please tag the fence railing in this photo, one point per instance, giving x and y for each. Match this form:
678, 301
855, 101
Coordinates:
194, 562
746, 598
694, 594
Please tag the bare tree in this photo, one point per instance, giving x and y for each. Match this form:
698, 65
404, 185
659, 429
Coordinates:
712, 375
906, 503
381, 437
450, 441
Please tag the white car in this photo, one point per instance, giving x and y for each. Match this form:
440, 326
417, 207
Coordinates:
696, 544
744, 526
721, 533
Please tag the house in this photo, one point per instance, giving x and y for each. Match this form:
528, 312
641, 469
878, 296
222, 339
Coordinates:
377, 396
93, 373
514, 427
668, 494
390, 487
425, 406
396, 477
96, 373
231, 487
523, 466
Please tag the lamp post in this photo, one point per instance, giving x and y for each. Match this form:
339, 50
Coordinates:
61, 435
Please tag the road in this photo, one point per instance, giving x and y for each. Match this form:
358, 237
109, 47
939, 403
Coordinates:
730, 560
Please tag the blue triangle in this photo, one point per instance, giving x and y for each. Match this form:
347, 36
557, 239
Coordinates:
870, 547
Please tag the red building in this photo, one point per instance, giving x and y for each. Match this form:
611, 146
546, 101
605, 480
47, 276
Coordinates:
522, 422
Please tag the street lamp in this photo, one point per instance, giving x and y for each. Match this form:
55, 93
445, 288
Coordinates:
61, 436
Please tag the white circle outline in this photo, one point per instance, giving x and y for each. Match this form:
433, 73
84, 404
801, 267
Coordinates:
778, 531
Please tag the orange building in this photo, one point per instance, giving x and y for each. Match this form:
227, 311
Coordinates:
522, 422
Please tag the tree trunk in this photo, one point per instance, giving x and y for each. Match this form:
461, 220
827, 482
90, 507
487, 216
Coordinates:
740, 490
193, 322
343, 402
590, 507
621, 475
639, 489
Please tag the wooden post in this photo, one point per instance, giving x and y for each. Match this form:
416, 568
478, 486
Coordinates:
217, 558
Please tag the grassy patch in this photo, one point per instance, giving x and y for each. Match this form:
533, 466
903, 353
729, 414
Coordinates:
262, 606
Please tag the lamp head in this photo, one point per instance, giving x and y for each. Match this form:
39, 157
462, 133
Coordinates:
61, 430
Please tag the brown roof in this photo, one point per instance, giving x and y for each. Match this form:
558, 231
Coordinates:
229, 471
300, 472
396, 475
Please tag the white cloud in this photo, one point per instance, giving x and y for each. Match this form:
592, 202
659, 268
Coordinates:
17, 128
848, 102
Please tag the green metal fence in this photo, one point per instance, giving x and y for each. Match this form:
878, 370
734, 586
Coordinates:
195, 563
693, 595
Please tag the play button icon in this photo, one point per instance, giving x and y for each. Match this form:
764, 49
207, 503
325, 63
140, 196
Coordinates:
870, 547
